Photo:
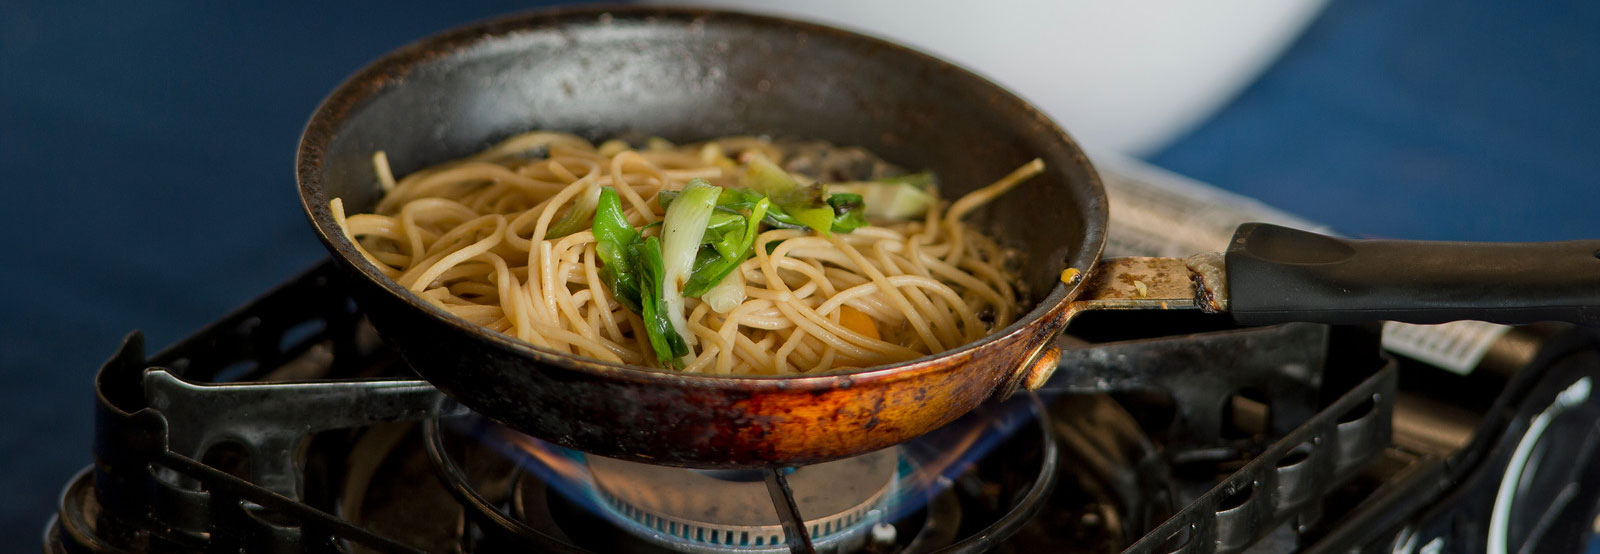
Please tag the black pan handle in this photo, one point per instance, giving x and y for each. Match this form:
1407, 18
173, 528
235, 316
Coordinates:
1277, 274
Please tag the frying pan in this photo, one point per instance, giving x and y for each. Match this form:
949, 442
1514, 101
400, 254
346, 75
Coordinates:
689, 74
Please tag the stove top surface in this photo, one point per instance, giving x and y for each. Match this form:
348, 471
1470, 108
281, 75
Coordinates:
1157, 435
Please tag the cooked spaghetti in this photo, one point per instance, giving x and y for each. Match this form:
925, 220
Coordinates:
568, 246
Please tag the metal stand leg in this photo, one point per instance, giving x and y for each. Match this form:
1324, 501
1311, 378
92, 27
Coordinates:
794, 527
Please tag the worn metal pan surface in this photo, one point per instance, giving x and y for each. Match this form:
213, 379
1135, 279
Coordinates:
689, 74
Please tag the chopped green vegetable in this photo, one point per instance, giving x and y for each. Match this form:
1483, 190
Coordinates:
635, 272
709, 231
766, 178
819, 218
580, 213
723, 233
740, 200
711, 267
805, 204
669, 346
615, 241
726, 295
847, 212
682, 229
893, 198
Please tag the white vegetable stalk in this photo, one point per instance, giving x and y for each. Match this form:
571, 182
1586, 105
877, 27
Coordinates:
681, 231
727, 294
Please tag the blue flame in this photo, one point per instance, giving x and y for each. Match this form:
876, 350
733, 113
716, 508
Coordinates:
927, 466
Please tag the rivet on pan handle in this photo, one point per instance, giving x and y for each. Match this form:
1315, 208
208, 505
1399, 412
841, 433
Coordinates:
1036, 367
1128, 284
1042, 367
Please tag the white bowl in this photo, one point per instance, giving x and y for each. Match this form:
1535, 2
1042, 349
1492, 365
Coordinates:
1121, 76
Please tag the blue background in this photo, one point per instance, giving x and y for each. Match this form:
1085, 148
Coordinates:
146, 157
1422, 119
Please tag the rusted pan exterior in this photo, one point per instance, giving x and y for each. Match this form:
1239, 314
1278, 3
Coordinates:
687, 75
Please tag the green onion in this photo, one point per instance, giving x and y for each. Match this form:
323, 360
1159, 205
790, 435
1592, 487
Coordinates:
706, 234
710, 269
615, 241
681, 231
723, 233
576, 216
804, 203
893, 198
669, 346
727, 294
635, 272
847, 212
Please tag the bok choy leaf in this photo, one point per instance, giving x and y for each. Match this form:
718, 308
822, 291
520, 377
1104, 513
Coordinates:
681, 232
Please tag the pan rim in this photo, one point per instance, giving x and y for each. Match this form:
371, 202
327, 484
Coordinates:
374, 78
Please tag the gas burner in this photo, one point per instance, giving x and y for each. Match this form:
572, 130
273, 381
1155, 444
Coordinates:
731, 511
974, 482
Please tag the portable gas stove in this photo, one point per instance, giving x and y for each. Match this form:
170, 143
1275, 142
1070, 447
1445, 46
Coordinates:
289, 427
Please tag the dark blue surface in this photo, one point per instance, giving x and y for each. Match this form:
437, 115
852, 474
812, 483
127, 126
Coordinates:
146, 154
1422, 119
147, 157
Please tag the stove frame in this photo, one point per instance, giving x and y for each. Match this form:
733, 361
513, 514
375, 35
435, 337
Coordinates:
156, 483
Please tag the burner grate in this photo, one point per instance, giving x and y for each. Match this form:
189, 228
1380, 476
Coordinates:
150, 487
1288, 480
